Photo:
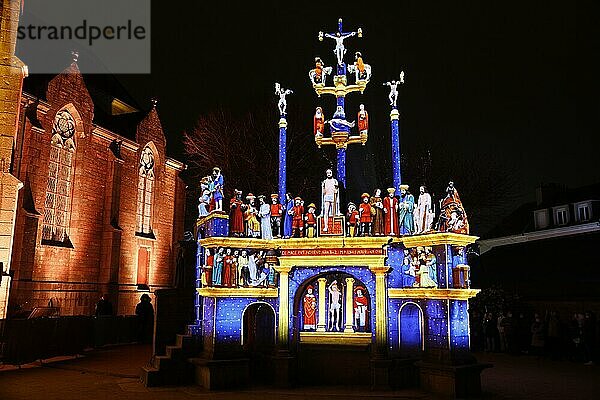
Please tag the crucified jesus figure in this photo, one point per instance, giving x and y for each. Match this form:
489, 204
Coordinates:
340, 50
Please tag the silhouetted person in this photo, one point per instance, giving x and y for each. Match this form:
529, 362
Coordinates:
537, 335
509, 333
490, 332
145, 315
523, 333
554, 335
103, 307
589, 338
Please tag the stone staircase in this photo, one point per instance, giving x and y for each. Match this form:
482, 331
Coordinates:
173, 368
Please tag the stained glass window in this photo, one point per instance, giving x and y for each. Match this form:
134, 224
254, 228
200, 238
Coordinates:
145, 186
57, 205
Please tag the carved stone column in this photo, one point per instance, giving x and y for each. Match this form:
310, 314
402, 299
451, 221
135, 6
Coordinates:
321, 311
381, 319
284, 307
348, 327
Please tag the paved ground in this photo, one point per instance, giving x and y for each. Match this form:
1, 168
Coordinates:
113, 374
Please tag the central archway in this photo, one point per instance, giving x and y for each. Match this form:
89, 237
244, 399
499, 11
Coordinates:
332, 329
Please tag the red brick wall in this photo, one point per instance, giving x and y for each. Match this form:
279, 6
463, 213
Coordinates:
103, 258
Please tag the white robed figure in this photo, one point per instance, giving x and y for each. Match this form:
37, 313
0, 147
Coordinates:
252, 268
264, 212
423, 213
330, 199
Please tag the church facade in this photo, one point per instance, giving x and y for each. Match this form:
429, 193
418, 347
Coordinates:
100, 211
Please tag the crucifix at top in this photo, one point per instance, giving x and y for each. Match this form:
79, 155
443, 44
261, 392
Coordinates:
339, 37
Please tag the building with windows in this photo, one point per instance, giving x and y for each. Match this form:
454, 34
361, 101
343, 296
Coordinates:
548, 241
102, 205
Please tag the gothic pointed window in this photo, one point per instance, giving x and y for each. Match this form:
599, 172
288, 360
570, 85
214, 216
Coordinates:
145, 187
57, 204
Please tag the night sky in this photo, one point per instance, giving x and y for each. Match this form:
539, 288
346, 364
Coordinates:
498, 79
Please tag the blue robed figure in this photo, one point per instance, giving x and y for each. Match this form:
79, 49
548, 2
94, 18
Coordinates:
287, 224
408, 273
405, 211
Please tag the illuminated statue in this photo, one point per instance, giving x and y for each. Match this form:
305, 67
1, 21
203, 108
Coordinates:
352, 219
393, 96
289, 214
276, 214
252, 224
338, 123
235, 267
298, 218
204, 199
217, 273
431, 262
218, 182
243, 269
264, 212
364, 210
361, 307
406, 207
236, 215
318, 75
423, 212
362, 71
282, 104
319, 122
453, 217
309, 308
227, 268
378, 213
408, 271
424, 270
339, 38
311, 221
335, 307
390, 209
330, 198
363, 120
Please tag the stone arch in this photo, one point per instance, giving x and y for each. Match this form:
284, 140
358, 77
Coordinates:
341, 274
411, 328
244, 334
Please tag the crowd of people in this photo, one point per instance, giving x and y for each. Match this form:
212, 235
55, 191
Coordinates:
545, 335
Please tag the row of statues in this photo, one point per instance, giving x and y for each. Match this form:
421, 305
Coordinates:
211, 193
375, 215
269, 220
361, 70
228, 267
338, 123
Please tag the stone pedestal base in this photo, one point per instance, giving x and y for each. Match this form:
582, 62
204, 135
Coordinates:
463, 381
221, 374
284, 370
380, 374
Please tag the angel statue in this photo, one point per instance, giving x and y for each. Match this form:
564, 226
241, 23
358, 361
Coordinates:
319, 74
282, 104
393, 96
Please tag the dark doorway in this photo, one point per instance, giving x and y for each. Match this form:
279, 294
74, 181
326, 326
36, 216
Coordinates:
259, 340
411, 330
